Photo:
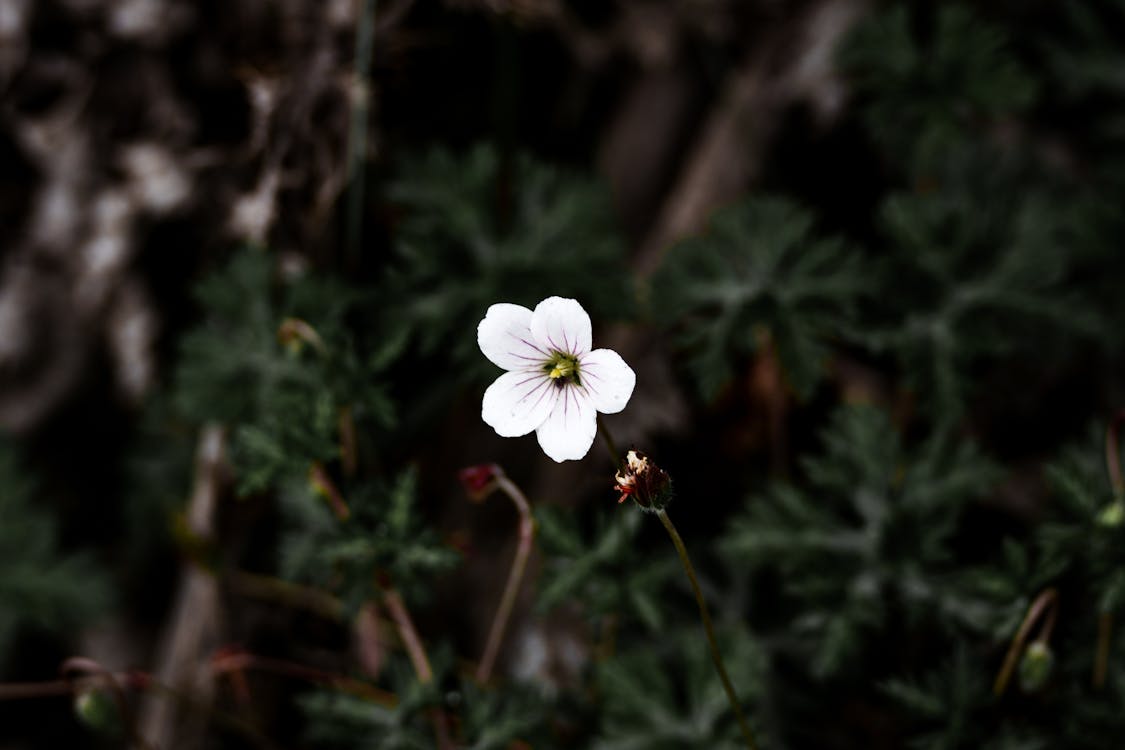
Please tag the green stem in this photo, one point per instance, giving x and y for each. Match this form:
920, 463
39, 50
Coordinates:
610, 445
709, 629
357, 129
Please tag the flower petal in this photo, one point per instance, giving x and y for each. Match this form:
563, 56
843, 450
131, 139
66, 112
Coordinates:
569, 431
562, 325
505, 338
518, 402
607, 379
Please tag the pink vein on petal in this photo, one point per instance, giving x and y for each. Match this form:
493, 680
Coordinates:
533, 346
536, 376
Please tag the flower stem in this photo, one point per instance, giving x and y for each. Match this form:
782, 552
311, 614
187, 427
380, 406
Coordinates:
1101, 660
515, 576
236, 661
610, 445
357, 128
1046, 603
260, 586
410, 640
1113, 456
413, 644
708, 628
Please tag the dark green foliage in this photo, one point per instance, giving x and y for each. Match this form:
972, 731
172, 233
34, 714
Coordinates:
485, 719
1084, 58
282, 391
871, 529
946, 704
1081, 537
337, 720
480, 229
971, 284
40, 585
607, 573
384, 538
977, 270
664, 694
928, 89
759, 276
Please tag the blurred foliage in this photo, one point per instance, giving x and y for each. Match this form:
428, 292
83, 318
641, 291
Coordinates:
40, 585
665, 695
964, 287
383, 538
275, 360
868, 591
757, 276
928, 80
488, 227
495, 719
869, 535
607, 573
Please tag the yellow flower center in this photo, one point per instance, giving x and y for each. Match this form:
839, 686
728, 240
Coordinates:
562, 366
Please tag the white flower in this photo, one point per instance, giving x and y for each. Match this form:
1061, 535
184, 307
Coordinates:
555, 383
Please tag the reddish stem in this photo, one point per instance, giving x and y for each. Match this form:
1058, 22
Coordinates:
515, 575
417, 652
1047, 604
1113, 455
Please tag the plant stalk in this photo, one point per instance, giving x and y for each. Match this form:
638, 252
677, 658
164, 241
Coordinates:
1045, 604
413, 645
1101, 661
357, 128
515, 576
709, 629
1113, 456
610, 445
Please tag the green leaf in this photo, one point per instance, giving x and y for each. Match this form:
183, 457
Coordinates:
758, 269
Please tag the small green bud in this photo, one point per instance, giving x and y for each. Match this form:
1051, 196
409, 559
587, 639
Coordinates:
97, 710
1035, 667
1112, 515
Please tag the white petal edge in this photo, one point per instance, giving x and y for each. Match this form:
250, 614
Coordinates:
569, 431
561, 324
607, 379
518, 402
504, 336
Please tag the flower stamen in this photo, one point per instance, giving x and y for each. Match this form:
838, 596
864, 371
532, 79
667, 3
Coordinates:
562, 367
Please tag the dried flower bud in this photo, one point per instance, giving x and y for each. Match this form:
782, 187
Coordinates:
478, 480
644, 481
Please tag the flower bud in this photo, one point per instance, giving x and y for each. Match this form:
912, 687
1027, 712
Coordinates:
478, 480
1035, 667
96, 709
294, 333
644, 481
1112, 515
